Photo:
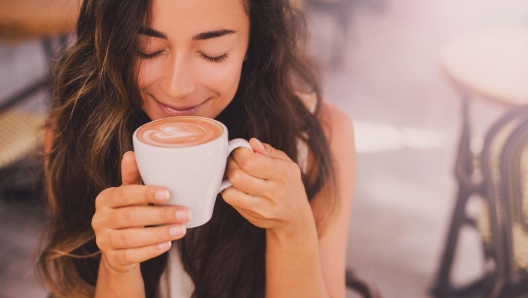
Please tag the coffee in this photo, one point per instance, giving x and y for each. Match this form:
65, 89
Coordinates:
178, 132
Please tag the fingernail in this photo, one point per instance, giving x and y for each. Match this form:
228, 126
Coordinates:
260, 144
177, 230
164, 245
162, 195
183, 214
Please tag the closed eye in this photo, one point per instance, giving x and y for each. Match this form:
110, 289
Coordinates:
214, 59
148, 56
208, 58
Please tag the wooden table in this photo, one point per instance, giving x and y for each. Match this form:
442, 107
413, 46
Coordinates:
20, 19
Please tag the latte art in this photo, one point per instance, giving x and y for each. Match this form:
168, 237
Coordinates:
179, 132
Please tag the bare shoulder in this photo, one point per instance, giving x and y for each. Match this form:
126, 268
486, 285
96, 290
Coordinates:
339, 130
333, 235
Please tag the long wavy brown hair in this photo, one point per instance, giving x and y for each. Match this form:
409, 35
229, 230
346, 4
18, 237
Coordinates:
96, 106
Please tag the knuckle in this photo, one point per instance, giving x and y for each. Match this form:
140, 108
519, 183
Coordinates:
130, 216
96, 222
269, 192
126, 257
226, 193
235, 176
291, 170
151, 251
162, 234
295, 169
125, 239
237, 153
99, 222
99, 200
168, 213
99, 242
275, 152
265, 213
114, 240
247, 164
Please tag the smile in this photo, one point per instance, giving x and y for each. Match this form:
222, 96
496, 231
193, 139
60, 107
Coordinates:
180, 111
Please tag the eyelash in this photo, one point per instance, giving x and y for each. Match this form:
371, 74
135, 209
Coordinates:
147, 56
210, 59
214, 59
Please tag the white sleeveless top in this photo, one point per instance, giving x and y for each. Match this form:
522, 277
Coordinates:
175, 281
180, 284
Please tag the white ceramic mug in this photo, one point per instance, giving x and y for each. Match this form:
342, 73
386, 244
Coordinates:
192, 174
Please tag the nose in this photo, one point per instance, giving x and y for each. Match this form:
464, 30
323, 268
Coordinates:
178, 81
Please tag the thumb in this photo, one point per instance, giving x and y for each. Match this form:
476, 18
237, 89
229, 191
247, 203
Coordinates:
268, 150
129, 170
258, 146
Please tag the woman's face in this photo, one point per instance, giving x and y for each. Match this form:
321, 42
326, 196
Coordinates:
191, 57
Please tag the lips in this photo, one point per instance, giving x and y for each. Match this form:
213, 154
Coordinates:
172, 111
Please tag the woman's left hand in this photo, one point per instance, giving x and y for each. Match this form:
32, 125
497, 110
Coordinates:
267, 188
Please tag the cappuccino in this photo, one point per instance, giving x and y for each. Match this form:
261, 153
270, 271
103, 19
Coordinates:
188, 156
178, 132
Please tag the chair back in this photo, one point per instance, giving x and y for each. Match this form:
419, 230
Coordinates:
514, 193
501, 224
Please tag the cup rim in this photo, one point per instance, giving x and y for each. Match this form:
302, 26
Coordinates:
224, 132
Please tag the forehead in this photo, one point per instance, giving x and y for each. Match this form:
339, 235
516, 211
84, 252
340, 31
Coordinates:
179, 18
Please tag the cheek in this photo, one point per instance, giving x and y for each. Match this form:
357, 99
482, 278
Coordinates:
221, 79
146, 73
145, 77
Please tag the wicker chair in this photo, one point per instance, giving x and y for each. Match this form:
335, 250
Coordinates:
21, 129
512, 195
504, 239
487, 66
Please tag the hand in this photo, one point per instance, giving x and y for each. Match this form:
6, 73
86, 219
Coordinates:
267, 188
122, 214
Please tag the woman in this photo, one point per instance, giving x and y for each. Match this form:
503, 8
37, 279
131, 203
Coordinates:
280, 231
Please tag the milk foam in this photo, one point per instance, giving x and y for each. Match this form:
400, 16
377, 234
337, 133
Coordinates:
179, 132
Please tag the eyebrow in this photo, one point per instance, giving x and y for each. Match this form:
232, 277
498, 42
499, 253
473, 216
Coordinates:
152, 32
199, 36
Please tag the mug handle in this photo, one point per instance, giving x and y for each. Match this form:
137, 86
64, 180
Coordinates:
232, 145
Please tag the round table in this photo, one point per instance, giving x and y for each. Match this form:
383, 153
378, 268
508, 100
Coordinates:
491, 65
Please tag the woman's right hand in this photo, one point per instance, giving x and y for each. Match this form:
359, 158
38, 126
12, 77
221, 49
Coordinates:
122, 214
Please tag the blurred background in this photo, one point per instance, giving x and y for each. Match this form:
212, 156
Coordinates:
405, 72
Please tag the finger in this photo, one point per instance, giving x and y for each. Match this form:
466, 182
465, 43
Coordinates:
130, 256
141, 237
257, 146
268, 150
259, 165
246, 182
130, 195
241, 200
129, 169
140, 216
